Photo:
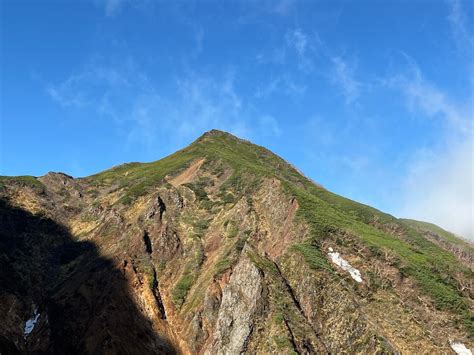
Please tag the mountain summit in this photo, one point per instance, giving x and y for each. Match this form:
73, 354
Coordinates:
221, 248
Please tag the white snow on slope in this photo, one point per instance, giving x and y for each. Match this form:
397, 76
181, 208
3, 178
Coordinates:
30, 323
460, 348
343, 264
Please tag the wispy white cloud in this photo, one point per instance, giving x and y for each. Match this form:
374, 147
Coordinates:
438, 186
343, 76
461, 33
308, 54
113, 7
126, 95
301, 43
298, 40
282, 84
102, 87
294, 56
269, 126
424, 97
206, 103
276, 56
356, 163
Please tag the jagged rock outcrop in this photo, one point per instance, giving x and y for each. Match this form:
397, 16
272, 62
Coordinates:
241, 299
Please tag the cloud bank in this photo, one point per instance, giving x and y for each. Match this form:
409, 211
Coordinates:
439, 184
439, 188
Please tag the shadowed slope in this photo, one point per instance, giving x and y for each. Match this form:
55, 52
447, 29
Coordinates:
82, 299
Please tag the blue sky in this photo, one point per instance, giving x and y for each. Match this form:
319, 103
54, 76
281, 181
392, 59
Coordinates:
372, 99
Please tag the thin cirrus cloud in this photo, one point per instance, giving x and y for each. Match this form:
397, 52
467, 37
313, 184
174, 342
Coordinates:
310, 52
431, 101
101, 87
283, 84
126, 96
343, 76
460, 31
463, 37
298, 40
300, 43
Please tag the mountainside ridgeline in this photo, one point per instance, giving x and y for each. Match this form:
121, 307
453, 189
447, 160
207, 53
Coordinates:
221, 248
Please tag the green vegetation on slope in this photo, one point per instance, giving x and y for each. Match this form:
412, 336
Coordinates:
428, 265
249, 164
189, 275
23, 181
138, 178
433, 228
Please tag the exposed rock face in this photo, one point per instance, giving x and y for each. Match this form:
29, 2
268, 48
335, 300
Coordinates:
240, 301
83, 301
221, 248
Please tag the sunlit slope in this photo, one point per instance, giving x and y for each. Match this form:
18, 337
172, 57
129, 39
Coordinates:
228, 248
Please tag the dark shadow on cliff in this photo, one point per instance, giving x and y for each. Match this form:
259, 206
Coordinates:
82, 299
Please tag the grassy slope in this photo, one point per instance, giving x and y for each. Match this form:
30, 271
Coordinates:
429, 265
433, 228
23, 180
245, 159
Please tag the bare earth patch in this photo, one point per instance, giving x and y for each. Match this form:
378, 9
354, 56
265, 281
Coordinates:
188, 174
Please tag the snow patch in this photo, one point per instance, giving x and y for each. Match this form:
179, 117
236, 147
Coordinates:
343, 264
30, 323
460, 348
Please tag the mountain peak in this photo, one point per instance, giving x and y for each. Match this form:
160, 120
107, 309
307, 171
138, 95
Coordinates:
218, 134
228, 237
